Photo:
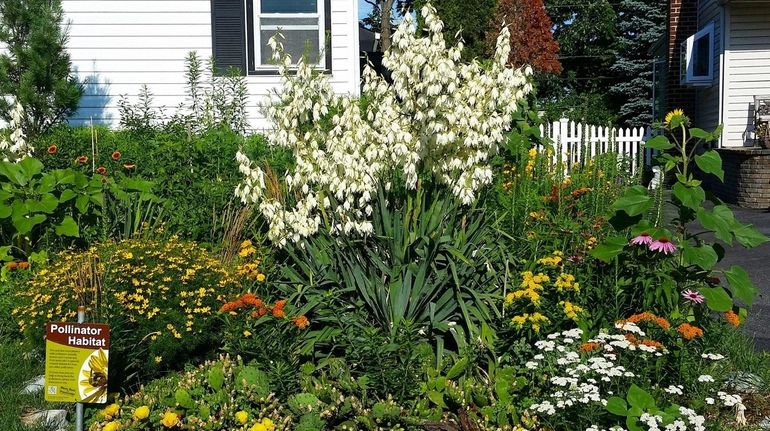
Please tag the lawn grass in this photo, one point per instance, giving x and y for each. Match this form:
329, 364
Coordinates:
16, 371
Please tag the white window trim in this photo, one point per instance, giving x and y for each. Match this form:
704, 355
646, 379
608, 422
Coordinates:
689, 78
259, 44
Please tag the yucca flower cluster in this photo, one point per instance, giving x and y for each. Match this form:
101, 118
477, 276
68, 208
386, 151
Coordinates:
17, 147
439, 116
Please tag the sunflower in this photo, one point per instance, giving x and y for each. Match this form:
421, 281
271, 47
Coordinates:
93, 386
676, 113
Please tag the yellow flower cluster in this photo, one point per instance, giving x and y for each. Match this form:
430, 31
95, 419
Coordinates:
176, 283
555, 259
535, 320
531, 160
249, 269
566, 282
545, 296
571, 310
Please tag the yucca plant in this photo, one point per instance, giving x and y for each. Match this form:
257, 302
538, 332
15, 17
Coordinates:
428, 265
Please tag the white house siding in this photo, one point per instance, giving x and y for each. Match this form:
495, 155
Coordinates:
709, 11
118, 45
747, 69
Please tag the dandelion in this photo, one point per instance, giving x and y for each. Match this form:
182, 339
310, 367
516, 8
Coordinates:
642, 239
663, 245
693, 296
53, 149
732, 318
116, 155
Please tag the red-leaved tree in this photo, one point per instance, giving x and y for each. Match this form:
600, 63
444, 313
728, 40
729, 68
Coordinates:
532, 40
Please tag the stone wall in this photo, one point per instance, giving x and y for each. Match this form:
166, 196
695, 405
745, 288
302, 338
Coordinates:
747, 177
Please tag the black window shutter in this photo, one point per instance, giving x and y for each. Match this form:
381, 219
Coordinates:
228, 28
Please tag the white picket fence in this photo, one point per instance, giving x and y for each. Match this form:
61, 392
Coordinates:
577, 143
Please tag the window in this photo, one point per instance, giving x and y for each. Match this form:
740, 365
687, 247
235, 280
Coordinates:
697, 58
300, 22
242, 28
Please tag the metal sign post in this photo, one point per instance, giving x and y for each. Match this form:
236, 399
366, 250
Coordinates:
79, 406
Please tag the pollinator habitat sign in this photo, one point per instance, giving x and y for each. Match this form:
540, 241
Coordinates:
76, 360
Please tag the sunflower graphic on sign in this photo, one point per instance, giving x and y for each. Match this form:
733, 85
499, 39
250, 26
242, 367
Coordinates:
93, 383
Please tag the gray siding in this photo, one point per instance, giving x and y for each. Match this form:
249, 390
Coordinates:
747, 69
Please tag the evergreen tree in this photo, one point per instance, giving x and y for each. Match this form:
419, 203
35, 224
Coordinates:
641, 23
36, 69
470, 18
532, 39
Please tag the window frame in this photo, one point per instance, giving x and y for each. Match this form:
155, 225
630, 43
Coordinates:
254, 44
687, 75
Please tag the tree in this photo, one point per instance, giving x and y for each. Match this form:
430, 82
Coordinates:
470, 18
586, 33
382, 11
641, 24
36, 71
532, 41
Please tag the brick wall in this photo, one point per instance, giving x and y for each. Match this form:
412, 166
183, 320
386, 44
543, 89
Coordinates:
747, 177
682, 23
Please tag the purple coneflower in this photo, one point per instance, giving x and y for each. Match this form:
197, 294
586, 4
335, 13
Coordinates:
663, 245
693, 296
643, 239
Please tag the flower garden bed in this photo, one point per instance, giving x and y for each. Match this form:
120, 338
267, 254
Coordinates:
408, 260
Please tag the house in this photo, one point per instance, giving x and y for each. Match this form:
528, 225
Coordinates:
118, 45
717, 64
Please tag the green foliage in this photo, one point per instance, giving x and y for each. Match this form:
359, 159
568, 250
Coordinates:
36, 69
198, 172
470, 18
45, 209
159, 296
693, 268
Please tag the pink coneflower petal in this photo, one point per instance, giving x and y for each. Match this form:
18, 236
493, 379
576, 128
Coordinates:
642, 239
693, 296
663, 245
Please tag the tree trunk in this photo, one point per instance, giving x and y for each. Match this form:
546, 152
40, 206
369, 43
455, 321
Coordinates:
386, 9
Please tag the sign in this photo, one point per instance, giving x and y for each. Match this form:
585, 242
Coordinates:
76, 362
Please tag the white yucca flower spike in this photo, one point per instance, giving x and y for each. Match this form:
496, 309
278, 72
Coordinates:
17, 147
439, 115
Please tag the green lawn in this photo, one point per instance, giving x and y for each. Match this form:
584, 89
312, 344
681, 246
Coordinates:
16, 371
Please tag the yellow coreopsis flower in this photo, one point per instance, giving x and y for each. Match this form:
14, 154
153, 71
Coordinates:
242, 417
141, 413
169, 419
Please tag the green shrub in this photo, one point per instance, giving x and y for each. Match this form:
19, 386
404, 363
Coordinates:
160, 298
196, 175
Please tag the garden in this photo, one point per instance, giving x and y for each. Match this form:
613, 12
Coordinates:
410, 259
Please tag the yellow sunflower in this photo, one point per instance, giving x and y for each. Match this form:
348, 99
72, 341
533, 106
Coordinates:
673, 114
93, 386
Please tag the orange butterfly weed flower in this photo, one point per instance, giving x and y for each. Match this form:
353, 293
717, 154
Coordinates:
732, 318
301, 322
23, 265
251, 299
12, 265
278, 308
649, 317
589, 347
231, 306
689, 332
262, 311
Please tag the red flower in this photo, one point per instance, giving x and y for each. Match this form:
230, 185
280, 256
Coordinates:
116, 155
101, 170
12, 265
82, 160
53, 149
